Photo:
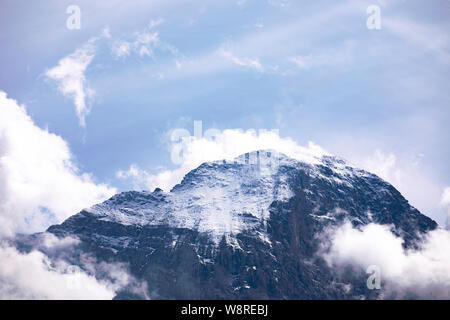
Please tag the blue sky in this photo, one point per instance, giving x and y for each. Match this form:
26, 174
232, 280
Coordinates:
311, 69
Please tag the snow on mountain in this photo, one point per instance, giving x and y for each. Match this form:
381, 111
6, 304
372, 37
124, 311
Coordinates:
223, 198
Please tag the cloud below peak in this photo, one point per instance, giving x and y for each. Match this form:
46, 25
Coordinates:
39, 183
27, 276
422, 273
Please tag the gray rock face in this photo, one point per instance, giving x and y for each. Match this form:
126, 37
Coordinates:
245, 229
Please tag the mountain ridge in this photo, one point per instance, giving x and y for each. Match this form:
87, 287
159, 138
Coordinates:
244, 229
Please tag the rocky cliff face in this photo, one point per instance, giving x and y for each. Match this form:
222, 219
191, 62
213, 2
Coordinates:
243, 229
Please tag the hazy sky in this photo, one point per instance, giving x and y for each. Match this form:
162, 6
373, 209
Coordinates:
134, 71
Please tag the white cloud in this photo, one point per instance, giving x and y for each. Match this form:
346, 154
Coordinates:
424, 272
51, 241
147, 37
302, 62
142, 42
155, 23
385, 166
39, 183
106, 33
408, 175
310, 61
243, 62
121, 49
138, 176
446, 196
338, 57
44, 273
145, 41
227, 144
33, 276
144, 51
69, 73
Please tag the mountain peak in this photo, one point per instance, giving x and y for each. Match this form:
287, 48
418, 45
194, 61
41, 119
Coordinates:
228, 197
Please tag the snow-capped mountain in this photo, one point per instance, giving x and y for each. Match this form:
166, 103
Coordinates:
243, 229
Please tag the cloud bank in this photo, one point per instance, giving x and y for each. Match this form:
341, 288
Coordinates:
39, 183
144, 42
47, 273
420, 273
32, 276
191, 151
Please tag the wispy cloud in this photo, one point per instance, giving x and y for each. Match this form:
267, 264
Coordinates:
252, 63
70, 75
340, 56
121, 49
143, 42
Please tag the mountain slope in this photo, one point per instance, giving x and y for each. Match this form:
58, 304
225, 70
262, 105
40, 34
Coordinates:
243, 229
